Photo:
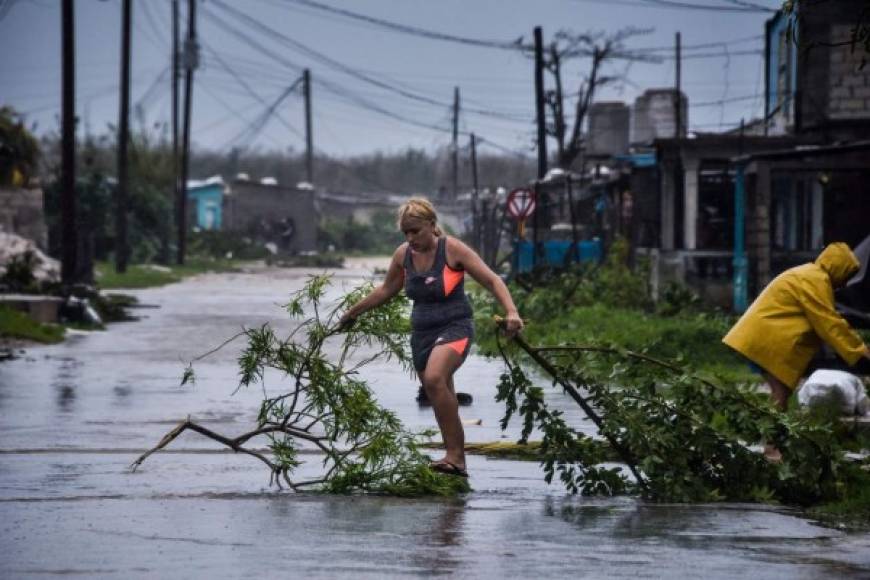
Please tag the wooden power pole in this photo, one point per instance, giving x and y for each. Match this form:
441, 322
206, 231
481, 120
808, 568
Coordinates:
191, 58
678, 101
176, 71
539, 102
475, 210
309, 139
455, 156
69, 241
123, 140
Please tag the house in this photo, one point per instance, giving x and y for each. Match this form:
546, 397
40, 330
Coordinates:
804, 167
798, 200
205, 202
272, 213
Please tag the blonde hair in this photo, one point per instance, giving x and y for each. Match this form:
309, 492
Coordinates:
418, 208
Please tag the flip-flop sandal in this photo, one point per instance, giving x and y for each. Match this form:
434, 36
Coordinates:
448, 468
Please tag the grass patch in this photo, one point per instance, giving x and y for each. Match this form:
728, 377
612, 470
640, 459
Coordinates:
148, 276
852, 510
692, 340
15, 324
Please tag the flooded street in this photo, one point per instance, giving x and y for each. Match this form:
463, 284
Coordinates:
75, 415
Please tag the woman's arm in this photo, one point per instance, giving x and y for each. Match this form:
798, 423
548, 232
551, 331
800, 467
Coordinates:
391, 286
477, 269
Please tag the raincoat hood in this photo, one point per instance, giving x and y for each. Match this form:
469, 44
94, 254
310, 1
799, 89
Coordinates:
839, 262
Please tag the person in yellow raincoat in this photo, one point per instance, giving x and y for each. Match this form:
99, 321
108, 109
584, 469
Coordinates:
786, 325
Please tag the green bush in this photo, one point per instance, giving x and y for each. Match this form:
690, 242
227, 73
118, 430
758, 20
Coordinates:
380, 236
225, 245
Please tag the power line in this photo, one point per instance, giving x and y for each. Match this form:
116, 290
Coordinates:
705, 45
414, 30
250, 132
746, 4
248, 87
674, 5
330, 86
735, 7
354, 72
724, 101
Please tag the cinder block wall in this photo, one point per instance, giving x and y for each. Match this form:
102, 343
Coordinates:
21, 212
849, 88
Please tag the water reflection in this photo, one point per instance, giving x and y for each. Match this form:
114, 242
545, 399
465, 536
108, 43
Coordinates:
66, 398
444, 538
65, 381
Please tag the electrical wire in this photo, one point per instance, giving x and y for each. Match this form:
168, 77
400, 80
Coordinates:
247, 87
249, 133
320, 57
513, 45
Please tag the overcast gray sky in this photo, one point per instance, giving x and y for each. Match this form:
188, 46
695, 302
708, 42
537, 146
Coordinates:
352, 116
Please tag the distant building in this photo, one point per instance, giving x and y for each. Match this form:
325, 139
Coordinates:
272, 213
805, 165
655, 113
205, 203
817, 85
609, 124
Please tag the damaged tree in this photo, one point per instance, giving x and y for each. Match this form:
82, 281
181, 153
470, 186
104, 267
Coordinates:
365, 447
682, 437
602, 50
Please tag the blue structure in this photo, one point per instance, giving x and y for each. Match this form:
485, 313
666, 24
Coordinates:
205, 200
555, 252
781, 65
741, 263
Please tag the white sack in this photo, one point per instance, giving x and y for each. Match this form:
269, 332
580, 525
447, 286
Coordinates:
845, 390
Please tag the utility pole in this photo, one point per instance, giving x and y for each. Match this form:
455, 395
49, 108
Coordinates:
678, 101
123, 139
69, 254
176, 71
309, 140
542, 132
191, 60
475, 211
455, 143
539, 102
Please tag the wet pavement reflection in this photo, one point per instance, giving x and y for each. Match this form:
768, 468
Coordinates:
74, 416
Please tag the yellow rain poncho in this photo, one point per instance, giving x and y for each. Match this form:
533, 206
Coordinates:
785, 326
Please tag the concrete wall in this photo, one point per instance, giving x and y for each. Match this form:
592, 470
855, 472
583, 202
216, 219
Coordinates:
824, 90
654, 115
609, 124
21, 212
285, 216
849, 86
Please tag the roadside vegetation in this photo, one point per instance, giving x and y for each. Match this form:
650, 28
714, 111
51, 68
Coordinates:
150, 275
667, 399
611, 305
18, 325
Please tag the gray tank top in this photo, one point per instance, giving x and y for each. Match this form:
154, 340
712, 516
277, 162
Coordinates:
438, 293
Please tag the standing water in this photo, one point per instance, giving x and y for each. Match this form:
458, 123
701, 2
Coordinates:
74, 416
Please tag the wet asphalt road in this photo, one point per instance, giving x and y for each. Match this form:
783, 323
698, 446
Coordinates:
74, 416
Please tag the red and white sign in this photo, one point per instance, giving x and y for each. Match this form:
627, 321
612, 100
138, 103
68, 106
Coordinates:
521, 203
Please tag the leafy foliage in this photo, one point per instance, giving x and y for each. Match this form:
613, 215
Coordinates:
19, 276
686, 437
681, 434
328, 405
19, 150
380, 236
610, 305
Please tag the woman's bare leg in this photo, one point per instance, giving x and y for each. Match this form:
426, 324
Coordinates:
438, 382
